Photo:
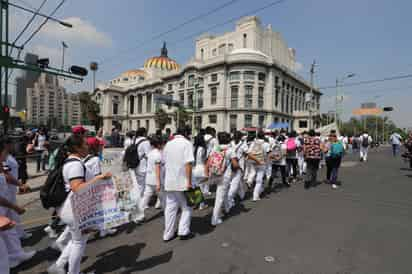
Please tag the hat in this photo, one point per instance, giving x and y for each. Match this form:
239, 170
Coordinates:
93, 142
79, 130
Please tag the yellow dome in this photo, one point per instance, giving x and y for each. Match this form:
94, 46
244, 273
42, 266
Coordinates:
162, 62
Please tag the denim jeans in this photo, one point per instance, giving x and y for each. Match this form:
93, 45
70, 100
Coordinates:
395, 150
41, 160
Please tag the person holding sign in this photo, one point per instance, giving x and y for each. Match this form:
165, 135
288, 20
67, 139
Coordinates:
76, 176
178, 157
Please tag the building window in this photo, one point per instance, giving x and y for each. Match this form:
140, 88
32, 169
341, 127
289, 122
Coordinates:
214, 52
182, 98
212, 119
200, 81
248, 120
190, 99
182, 84
248, 96
262, 76
200, 99
233, 122
139, 103
213, 96
261, 121
276, 97
147, 125
148, 103
230, 47
125, 79
222, 49
131, 104
213, 77
170, 94
261, 97
234, 76
170, 87
303, 124
249, 75
287, 103
115, 108
191, 81
245, 40
138, 124
141, 78
202, 52
234, 97
130, 124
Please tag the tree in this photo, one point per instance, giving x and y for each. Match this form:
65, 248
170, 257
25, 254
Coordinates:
374, 126
183, 116
161, 118
90, 110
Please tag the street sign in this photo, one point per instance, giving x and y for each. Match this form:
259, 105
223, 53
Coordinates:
367, 111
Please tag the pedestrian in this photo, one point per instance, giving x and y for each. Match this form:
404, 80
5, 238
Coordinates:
301, 156
408, 146
5, 224
219, 167
178, 157
40, 143
237, 187
312, 151
278, 159
292, 146
365, 141
211, 142
334, 151
154, 180
21, 157
76, 176
15, 253
200, 176
257, 153
396, 141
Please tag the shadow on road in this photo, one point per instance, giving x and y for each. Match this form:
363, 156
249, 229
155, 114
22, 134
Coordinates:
41, 256
150, 262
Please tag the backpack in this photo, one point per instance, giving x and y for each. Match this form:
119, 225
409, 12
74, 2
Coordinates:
217, 162
365, 141
336, 150
277, 153
53, 193
131, 156
291, 145
257, 151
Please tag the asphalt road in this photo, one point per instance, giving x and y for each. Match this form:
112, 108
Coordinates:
363, 227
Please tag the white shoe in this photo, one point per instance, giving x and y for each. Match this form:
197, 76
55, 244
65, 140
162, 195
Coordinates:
203, 206
57, 246
54, 269
217, 222
22, 258
51, 232
334, 186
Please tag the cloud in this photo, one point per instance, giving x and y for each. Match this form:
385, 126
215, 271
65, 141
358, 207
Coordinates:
298, 66
83, 33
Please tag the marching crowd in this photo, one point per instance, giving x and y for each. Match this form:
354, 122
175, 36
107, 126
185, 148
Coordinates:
180, 170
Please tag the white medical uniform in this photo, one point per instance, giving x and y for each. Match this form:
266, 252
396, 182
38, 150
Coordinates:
153, 158
364, 150
259, 169
236, 184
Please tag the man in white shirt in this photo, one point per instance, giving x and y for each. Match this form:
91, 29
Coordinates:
365, 140
396, 140
178, 157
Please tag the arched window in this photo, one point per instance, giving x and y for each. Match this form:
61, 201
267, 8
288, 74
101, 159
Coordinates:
202, 52
245, 40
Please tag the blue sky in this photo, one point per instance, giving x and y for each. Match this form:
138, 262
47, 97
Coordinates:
368, 37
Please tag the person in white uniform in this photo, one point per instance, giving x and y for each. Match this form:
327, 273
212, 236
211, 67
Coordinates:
199, 176
154, 174
237, 187
365, 141
257, 153
178, 157
76, 176
5, 224
211, 142
223, 177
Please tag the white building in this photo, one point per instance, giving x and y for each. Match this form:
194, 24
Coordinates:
237, 80
49, 102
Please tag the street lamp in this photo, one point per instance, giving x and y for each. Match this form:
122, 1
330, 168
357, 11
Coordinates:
385, 109
341, 80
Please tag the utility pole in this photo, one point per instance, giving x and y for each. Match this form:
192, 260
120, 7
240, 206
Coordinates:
336, 102
312, 72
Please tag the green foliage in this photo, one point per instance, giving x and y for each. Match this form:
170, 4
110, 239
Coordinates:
374, 126
89, 110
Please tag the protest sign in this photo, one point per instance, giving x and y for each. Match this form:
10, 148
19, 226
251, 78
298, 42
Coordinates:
96, 207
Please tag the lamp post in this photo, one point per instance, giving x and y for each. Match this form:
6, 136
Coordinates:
385, 109
94, 67
338, 81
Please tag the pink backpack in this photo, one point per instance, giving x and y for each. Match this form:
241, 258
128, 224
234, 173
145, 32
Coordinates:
291, 145
217, 162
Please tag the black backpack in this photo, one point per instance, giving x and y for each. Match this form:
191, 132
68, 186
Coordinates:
131, 156
365, 141
53, 193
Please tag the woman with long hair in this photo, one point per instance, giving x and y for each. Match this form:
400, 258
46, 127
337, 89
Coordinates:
76, 176
199, 174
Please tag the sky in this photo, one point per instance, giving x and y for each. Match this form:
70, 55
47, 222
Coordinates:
370, 38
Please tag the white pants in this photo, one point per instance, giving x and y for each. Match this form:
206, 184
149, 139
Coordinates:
139, 179
268, 170
364, 153
149, 191
251, 173
64, 237
173, 201
11, 239
13, 215
221, 199
301, 165
236, 187
4, 259
260, 172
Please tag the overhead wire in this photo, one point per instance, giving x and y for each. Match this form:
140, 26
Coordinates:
174, 28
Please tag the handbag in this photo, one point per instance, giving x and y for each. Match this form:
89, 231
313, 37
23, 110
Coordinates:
194, 196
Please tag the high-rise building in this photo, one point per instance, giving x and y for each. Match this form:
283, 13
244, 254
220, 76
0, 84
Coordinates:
48, 103
25, 81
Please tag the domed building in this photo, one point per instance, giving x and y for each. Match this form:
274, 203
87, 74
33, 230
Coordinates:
241, 79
